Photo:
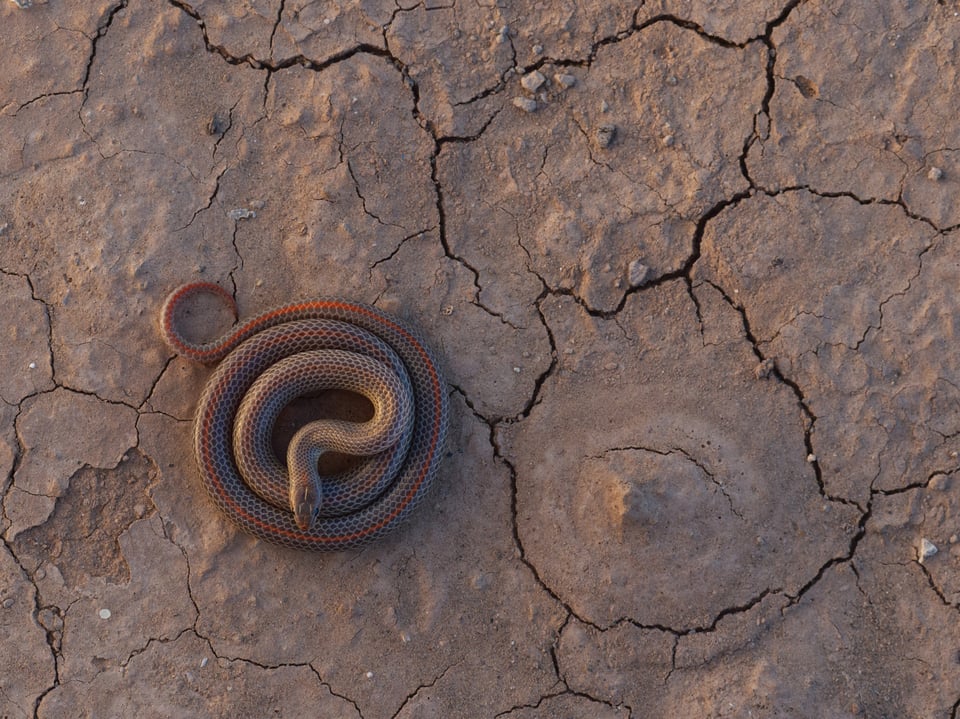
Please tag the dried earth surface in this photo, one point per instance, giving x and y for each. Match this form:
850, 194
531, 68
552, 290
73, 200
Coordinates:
692, 270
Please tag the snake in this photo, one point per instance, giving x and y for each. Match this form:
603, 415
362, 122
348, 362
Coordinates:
296, 349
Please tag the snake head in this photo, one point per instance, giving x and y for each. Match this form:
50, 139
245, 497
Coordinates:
305, 502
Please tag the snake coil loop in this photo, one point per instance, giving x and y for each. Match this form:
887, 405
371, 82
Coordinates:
292, 350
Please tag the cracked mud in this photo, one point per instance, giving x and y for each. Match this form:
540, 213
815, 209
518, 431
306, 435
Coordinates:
691, 269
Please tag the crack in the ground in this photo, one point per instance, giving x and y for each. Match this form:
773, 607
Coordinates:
210, 200
41, 97
566, 691
330, 689
393, 253
276, 25
413, 695
363, 200
52, 640
101, 31
690, 458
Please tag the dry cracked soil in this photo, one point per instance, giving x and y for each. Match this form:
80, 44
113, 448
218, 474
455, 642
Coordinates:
692, 269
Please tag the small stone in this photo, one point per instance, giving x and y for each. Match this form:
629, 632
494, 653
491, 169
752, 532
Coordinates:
564, 80
606, 135
105, 614
811, 458
538, 49
218, 125
33, 365
604, 106
22, 4
446, 310
517, 370
611, 366
203, 662
672, 80
533, 81
764, 369
939, 481
935, 174
241, 213
668, 140
927, 549
369, 675
8, 602
637, 273
525, 104
954, 539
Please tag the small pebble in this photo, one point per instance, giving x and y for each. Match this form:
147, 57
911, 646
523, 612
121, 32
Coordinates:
538, 49
938, 481
927, 549
525, 104
672, 80
935, 174
218, 125
611, 366
668, 140
604, 106
203, 662
241, 213
33, 365
637, 273
446, 310
517, 370
8, 602
533, 81
564, 80
22, 4
811, 458
764, 369
606, 135
104, 613
369, 675
954, 538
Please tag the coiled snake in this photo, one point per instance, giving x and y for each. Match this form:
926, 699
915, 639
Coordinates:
298, 349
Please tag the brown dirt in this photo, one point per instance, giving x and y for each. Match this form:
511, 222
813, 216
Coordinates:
693, 285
